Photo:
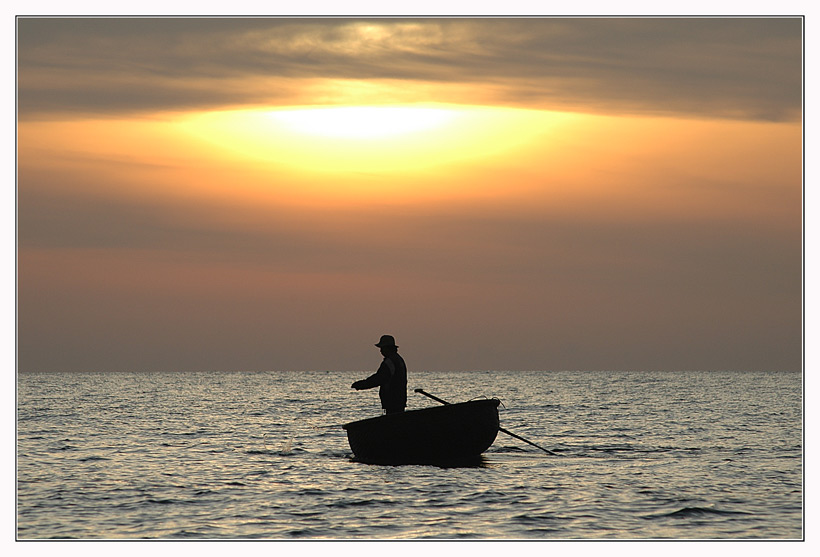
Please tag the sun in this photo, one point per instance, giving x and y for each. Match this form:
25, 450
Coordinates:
362, 122
399, 139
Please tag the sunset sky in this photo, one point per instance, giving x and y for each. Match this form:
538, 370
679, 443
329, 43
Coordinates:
505, 194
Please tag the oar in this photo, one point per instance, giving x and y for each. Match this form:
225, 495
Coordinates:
510, 433
328, 426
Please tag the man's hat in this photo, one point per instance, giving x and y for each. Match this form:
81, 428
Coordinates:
387, 341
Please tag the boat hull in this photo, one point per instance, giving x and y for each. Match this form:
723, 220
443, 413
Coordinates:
450, 434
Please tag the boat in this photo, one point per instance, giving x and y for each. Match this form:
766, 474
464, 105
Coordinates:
448, 435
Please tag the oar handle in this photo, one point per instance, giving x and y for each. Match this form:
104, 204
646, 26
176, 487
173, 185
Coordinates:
437, 399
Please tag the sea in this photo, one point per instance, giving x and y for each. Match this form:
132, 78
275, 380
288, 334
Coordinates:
710, 455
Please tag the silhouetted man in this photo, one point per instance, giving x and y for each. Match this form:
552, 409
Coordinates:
391, 377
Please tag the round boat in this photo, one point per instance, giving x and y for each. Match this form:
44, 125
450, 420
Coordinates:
447, 434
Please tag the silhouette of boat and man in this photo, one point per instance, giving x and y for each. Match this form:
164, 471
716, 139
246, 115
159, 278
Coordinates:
450, 434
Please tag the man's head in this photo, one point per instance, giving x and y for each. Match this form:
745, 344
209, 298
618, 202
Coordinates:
387, 344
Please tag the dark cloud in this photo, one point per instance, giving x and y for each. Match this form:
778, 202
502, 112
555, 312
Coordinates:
727, 67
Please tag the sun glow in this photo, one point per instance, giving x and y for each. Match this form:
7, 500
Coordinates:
362, 121
396, 139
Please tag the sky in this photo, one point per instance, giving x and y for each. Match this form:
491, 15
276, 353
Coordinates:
499, 194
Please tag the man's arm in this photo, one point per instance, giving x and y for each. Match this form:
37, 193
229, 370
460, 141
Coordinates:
373, 381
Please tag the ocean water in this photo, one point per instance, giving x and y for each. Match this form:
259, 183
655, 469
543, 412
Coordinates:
641, 455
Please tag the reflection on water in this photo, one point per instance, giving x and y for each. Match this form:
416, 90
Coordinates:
260, 455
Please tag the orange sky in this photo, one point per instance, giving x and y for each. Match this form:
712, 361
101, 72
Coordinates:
275, 194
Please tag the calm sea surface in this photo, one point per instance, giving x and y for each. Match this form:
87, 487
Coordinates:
706, 455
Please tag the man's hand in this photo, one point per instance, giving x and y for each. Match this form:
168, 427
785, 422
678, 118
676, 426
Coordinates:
358, 385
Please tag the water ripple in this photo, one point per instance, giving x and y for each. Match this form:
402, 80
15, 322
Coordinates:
247, 455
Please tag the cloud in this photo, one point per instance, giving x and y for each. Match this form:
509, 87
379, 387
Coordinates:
739, 68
